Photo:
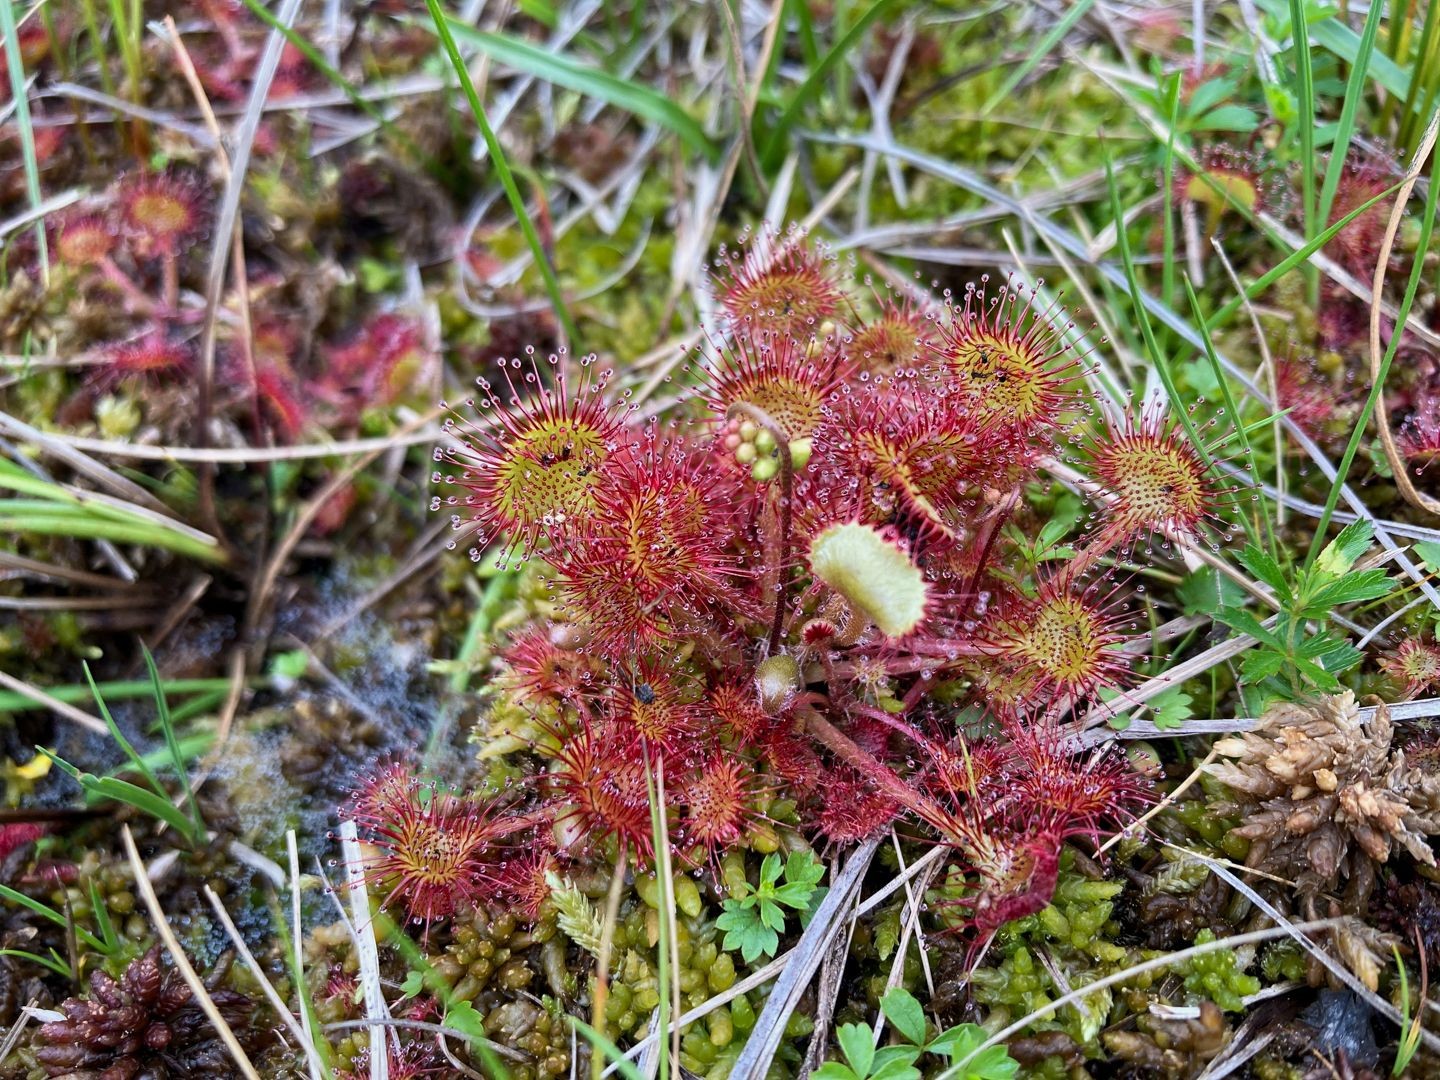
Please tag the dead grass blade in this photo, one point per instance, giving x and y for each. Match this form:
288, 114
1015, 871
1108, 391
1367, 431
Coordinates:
377, 1014
1158, 963
267, 988
830, 919
182, 962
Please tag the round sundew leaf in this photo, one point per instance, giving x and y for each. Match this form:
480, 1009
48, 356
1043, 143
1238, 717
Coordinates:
875, 574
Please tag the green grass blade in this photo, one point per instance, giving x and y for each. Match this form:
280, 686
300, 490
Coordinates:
337, 80
623, 1065
388, 931
51, 915
192, 746
119, 736
147, 802
775, 143
177, 760
1335, 37
591, 81
1417, 274
1222, 314
78, 693
1042, 49
1147, 331
1167, 203
53, 962
1305, 121
80, 526
1232, 409
23, 123
665, 906
102, 919
502, 169
1345, 127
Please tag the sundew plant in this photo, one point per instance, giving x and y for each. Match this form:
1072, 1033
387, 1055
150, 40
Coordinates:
882, 541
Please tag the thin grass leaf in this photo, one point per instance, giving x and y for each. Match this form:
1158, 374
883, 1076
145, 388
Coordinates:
102, 918
45, 911
665, 906
53, 961
115, 733
1345, 127
774, 146
1305, 121
1167, 204
389, 931
1417, 274
16, 65
108, 787
198, 706
336, 79
1232, 410
1331, 34
1041, 50
1222, 314
1147, 332
75, 693
80, 525
502, 169
593, 82
177, 760
612, 1053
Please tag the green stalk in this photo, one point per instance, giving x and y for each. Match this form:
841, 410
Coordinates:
25, 125
1417, 273
336, 79
507, 178
1345, 128
1429, 44
1305, 105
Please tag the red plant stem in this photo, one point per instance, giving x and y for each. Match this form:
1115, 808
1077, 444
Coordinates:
170, 269
881, 716
841, 745
787, 490
140, 304
991, 530
908, 665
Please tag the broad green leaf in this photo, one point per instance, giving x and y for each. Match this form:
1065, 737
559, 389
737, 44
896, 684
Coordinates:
905, 1014
1429, 553
804, 868
1171, 708
895, 1069
855, 1042
1259, 666
1265, 568
1338, 556
1206, 591
1238, 618
1228, 118
1351, 589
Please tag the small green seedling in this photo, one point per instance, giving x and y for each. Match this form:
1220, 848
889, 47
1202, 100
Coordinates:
753, 920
